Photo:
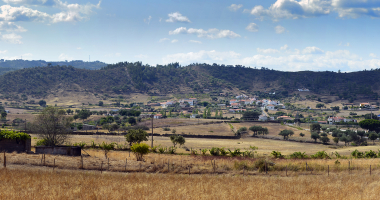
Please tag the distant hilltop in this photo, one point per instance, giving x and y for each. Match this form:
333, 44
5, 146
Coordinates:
12, 65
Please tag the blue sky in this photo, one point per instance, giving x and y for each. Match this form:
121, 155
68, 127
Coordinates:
289, 35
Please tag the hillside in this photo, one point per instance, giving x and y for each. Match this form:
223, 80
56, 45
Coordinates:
125, 78
12, 65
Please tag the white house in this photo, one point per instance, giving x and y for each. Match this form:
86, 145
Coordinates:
157, 116
263, 118
235, 105
303, 90
191, 101
242, 96
234, 101
271, 107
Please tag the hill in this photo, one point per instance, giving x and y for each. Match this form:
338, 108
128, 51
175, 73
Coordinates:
126, 77
11, 65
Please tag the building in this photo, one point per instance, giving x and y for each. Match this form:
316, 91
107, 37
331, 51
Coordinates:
157, 116
365, 105
271, 107
263, 118
303, 90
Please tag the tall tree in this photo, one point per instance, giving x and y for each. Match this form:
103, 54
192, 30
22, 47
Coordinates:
52, 125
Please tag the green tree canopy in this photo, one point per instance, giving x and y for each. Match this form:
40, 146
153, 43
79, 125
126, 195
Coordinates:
370, 124
136, 136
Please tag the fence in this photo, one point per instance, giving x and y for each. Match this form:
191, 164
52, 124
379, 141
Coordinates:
203, 165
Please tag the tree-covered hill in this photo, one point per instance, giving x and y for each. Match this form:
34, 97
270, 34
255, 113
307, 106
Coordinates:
128, 77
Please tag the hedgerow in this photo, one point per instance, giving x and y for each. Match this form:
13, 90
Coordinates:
13, 135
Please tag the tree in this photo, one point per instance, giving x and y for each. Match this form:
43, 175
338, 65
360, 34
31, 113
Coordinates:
84, 114
80, 126
52, 125
324, 139
69, 111
177, 139
100, 103
373, 136
370, 124
140, 150
320, 105
132, 120
301, 134
336, 140
316, 128
42, 103
344, 139
3, 115
315, 136
286, 133
136, 136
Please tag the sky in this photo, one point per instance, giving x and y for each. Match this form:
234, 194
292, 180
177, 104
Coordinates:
287, 35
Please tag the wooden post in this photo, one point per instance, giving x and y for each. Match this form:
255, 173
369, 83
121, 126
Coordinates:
44, 160
189, 170
81, 161
349, 169
243, 170
108, 164
54, 164
370, 170
306, 166
266, 170
101, 168
328, 170
126, 162
152, 131
286, 170
5, 161
168, 166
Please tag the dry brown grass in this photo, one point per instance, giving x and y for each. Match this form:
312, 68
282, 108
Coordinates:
39, 183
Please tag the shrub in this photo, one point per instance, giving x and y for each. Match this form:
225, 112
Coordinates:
357, 154
13, 135
370, 154
80, 144
154, 149
277, 154
41, 142
214, 151
320, 155
223, 152
234, 153
140, 149
172, 150
93, 145
177, 139
162, 149
204, 151
166, 129
298, 155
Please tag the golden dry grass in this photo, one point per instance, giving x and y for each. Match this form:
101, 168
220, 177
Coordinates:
38, 183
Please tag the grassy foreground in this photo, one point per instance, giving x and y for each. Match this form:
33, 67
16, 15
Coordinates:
38, 183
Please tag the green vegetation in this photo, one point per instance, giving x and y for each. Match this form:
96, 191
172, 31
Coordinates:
140, 149
13, 135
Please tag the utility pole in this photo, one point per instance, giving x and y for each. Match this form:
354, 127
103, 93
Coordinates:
152, 131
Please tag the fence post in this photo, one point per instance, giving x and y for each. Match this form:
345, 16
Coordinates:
266, 170
168, 166
54, 164
108, 168
81, 160
328, 170
44, 160
349, 169
126, 162
370, 170
5, 161
286, 170
101, 168
189, 170
306, 166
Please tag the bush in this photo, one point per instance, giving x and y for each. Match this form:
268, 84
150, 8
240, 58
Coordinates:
277, 154
140, 149
370, 154
204, 151
172, 150
234, 153
13, 135
162, 149
223, 152
80, 144
320, 155
166, 129
260, 164
357, 154
42, 142
298, 155
214, 151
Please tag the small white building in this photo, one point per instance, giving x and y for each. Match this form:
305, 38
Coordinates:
271, 107
157, 116
263, 118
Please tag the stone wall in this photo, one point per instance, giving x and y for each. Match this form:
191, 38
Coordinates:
15, 145
59, 150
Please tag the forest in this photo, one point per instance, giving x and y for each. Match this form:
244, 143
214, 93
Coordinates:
128, 77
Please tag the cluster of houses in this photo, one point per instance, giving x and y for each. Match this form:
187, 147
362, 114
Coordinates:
267, 103
332, 120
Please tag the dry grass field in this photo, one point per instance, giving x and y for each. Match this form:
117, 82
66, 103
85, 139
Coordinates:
154, 181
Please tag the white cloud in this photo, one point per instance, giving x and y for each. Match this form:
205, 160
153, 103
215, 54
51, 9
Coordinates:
285, 47
163, 39
372, 55
267, 51
235, 7
2, 52
69, 12
195, 41
252, 27
210, 34
148, 20
141, 56
79, 48
64, 57
201, 56
174, 41
12, 38
295, 9
177, 17
312, 50
11, 27
279, 29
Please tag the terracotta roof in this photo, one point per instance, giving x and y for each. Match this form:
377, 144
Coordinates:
270, 105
